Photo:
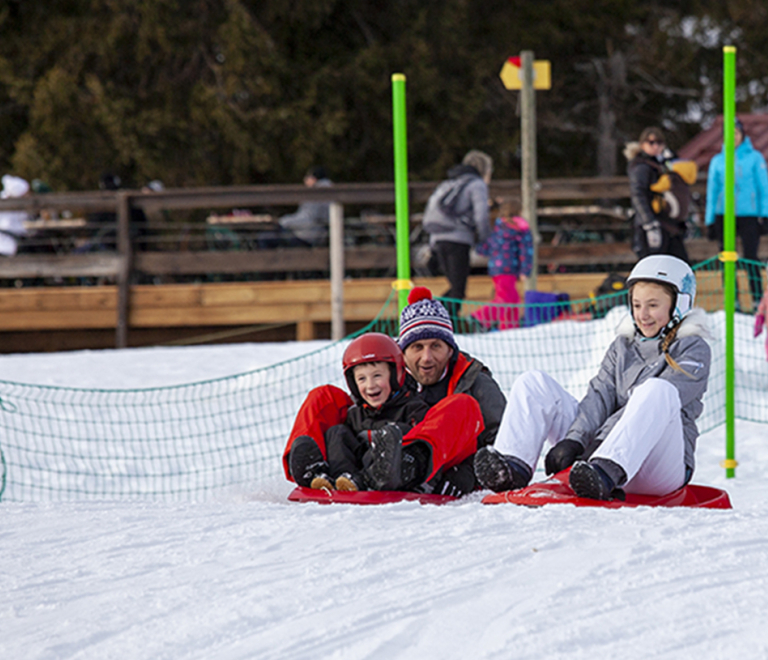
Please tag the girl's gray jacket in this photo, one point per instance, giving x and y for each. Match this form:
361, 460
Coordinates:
630, 361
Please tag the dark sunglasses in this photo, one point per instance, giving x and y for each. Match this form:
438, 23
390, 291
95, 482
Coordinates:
655, 141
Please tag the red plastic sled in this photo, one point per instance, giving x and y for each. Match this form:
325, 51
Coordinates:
300, 494
557, 491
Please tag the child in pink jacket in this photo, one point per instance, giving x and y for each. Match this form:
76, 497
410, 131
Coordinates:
509, 249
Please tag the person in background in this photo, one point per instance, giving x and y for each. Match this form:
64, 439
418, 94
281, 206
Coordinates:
762, 314
652, 233
139, 230
40, 187
308, 226
509, 249
12, 222
456, 218
751, 204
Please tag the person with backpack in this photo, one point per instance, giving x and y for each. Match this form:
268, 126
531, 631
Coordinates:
635, 429
456, 218
658, 226
751, 200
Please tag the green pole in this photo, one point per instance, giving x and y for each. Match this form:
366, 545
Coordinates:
402, 231
729, 255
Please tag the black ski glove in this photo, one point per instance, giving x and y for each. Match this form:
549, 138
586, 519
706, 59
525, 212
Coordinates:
562, 455
457, 481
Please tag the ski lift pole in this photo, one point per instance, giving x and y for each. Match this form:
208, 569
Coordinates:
729, 256
402, 232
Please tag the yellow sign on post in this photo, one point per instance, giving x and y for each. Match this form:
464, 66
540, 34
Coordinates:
512, 74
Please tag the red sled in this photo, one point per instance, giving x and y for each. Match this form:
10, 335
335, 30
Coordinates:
557, 491
300, 494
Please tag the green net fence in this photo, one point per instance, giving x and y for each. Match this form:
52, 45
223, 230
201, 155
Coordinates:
201, 440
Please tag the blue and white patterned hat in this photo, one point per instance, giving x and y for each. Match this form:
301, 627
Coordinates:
425, 318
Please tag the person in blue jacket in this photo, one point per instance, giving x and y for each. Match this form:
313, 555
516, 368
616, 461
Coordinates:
751, 192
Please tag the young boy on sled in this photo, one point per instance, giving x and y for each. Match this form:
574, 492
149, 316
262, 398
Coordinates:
635, 430
359, 452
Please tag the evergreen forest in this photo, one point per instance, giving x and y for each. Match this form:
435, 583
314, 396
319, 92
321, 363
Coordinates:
224, 92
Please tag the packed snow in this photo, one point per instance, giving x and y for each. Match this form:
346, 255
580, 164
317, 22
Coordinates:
254, 576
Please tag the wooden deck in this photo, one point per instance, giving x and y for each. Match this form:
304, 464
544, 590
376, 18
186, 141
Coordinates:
76, 317
68, 318
85, 317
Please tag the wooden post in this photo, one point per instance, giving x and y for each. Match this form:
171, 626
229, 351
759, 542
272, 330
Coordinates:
124, 273
528, 139
336, 240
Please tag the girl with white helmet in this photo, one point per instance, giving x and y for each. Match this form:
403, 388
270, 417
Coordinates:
635, 430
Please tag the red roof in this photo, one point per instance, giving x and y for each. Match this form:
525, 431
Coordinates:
708, 143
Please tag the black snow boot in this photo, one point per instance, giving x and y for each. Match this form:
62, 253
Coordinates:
498, 472
597, 479
416, 462
306, 463
386, 454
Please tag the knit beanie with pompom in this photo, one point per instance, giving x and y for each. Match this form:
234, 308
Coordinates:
425, 318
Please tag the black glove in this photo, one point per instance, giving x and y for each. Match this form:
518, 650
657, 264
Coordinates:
562, 455
457, 481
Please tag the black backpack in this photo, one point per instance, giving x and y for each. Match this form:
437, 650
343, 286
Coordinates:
605, 297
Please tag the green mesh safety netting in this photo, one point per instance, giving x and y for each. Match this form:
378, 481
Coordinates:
204, 439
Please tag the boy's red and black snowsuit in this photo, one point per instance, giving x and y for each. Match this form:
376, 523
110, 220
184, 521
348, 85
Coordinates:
450, 428
347, 444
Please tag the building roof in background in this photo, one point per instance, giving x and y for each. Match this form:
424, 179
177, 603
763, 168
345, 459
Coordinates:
706, 144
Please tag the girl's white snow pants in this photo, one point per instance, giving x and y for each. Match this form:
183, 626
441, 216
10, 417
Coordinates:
647, 441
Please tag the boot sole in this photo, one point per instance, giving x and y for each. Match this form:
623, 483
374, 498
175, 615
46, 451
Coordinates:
387, 460
346, 484
321, 483
494, 474
585, 482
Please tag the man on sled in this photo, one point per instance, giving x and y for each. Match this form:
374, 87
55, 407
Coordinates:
462, 409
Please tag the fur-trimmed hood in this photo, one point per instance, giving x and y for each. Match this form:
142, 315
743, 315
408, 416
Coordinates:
631, 149
694, 324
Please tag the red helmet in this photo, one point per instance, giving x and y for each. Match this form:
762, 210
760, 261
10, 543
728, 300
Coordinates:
374, 347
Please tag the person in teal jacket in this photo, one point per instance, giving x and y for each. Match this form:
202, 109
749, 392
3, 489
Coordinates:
751, 192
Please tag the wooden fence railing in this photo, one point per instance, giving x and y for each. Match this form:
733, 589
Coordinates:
121, 262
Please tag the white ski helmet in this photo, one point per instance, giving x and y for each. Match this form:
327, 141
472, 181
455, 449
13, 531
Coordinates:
666, 269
